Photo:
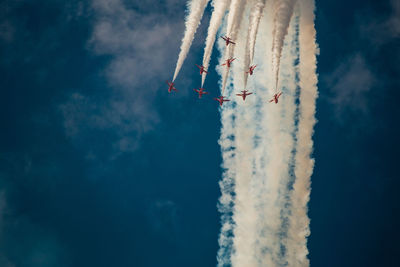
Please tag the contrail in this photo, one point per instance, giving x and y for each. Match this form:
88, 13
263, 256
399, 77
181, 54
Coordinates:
215, 22
196, 10
299, 228
245, 214
254, 19
277, 143
283, 14
235, 16
227, 143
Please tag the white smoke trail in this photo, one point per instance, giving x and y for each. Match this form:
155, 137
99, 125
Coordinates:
254, 21
261, 170
215, 22
227, 143
235, 16
264, 222
276, 145
299, 228
196, 10
283, 13
288, 77
245, 214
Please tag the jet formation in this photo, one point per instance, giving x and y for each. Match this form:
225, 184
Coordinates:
228, 63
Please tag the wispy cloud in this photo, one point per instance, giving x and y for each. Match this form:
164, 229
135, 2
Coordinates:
377, 29
349, 84
137, 40
352, 80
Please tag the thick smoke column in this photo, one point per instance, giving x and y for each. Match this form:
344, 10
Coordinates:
254, 21
299, 228
215, 22
276, 143
245, 214
196, 10
283, 14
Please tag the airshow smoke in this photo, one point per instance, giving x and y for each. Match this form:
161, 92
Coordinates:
266, 147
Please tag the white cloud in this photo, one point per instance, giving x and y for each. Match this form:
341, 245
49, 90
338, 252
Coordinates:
139, 41
355, 76
349, 84
378, 30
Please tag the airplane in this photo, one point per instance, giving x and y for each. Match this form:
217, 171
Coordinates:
200, 91
221, 100
251, 69
171, 86
244, 94
201, 69
228, 62
227, 40
275, 98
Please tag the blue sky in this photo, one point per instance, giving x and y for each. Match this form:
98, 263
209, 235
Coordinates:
100, 166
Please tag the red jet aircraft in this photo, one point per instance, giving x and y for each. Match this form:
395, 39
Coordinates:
201, 69
200, 91
227, 40
275, 98
221, 100
228, 62
171, 86
244, 94
251, 69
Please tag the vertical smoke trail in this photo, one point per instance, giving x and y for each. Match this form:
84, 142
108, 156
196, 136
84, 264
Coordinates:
266, 147
265, 187
235, 16
289, 84
227, 143
196, 10
283, 14
277, 143
299, 228
215, 21
254, 19
245, 214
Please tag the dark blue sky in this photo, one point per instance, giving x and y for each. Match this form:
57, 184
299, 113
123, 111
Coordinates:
99, 166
